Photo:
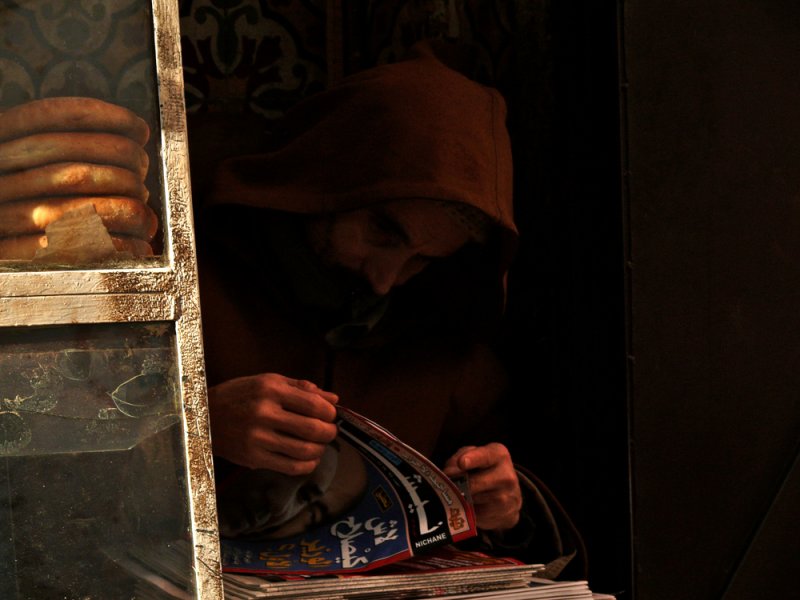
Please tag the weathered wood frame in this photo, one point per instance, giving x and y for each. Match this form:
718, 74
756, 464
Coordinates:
143, 293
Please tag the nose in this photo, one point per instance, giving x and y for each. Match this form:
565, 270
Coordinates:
385, 270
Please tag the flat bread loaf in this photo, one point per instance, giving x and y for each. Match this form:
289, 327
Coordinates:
119, 215
72, 178
24, 247
89, 147
72, 113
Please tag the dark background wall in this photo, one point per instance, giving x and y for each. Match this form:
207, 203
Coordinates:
712, 188
566, 317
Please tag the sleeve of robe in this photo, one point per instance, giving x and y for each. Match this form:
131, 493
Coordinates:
545, 534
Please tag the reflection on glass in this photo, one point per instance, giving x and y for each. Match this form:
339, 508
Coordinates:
91, 461
79, 183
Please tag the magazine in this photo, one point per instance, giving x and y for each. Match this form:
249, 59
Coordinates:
383, 527
384, 502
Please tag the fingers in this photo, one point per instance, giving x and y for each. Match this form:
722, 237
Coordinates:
489, 467
484, 457
469, 458
298, 396
283, 453
298, 409
273, 422
311, 387
493, 483
305, 427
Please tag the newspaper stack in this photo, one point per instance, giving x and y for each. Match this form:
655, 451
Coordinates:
510, 582
72, 181
161, 575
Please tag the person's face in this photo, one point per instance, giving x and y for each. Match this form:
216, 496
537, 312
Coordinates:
388, 243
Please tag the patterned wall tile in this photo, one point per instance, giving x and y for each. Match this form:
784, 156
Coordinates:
251, 56
102, 49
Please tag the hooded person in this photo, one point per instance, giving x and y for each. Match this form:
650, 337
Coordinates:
363, 258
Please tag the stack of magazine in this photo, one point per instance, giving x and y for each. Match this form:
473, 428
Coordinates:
441, 575
388, 532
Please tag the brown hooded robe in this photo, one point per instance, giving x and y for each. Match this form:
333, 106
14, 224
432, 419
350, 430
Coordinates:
412, 129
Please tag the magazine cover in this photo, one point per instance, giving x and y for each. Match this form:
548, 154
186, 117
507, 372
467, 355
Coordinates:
372, 501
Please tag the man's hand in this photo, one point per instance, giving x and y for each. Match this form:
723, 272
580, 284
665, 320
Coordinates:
493, 484
269, 421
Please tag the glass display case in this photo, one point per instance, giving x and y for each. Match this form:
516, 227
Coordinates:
106, 475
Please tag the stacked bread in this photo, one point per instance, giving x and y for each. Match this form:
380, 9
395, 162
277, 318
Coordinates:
64, 154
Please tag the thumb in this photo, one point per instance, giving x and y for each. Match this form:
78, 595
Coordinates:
454, 465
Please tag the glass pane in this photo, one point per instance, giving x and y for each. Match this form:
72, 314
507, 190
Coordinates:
92, 467
80, 180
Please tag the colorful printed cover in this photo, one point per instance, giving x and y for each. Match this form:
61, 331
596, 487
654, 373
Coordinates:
405, 507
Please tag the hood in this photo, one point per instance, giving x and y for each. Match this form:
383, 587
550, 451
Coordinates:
410, 129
